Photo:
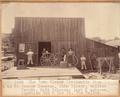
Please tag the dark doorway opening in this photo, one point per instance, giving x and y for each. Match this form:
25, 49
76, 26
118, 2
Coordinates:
41, 46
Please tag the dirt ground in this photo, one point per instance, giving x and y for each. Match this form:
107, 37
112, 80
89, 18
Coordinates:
104, 75
86, 73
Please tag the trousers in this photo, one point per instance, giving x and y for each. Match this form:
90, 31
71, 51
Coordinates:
30, 61
83, 65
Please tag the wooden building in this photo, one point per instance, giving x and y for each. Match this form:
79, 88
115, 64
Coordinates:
54, 34
101, 50
50, 33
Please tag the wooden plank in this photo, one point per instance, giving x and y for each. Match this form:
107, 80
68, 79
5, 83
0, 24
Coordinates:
41, 72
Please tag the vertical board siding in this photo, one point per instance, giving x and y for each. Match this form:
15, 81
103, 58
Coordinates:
102, 50
61, 32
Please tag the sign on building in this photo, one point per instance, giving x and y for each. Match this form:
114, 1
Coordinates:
21, 47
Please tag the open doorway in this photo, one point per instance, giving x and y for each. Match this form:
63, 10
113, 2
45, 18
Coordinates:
41, 46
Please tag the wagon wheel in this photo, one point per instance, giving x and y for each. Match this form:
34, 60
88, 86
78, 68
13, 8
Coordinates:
52, 59
47, 60
44, 60
56, 59
75, 60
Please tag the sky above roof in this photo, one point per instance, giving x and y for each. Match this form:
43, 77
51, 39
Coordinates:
101, 19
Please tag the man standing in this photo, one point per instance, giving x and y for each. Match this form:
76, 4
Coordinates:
29, 56
62, 52
83, 64
94, 61
70, 58
44, 51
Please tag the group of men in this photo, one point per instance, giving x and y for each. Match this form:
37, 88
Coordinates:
67, 57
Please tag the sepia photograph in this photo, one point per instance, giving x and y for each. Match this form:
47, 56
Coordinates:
60, 41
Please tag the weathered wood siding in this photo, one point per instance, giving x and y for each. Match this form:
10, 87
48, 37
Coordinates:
61, 32
102, 50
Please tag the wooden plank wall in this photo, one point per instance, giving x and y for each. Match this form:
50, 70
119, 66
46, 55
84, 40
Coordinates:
102, 50
61, 32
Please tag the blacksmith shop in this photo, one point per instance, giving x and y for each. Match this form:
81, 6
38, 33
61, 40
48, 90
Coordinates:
52, 34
